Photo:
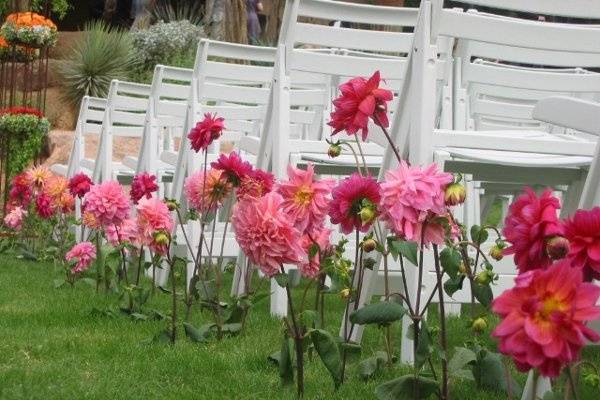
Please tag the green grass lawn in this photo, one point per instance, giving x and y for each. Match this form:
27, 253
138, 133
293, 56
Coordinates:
53, 347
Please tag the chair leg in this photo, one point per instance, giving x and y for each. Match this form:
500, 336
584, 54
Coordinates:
535, 391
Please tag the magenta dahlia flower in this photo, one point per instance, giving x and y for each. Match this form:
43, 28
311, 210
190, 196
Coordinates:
583, 233
305, 198
412, 196
266, 233
530, 222
153, 218
108, 203
21, 192
360, 100
255, 184
143, 185
127, 232
544, 318
84, 254
80, 184
234, 167
44, 206
206, 131
354, 203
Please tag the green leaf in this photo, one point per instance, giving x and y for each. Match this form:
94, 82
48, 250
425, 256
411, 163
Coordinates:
329, 352
453, 285
89, 281
313, 250
461, 359
198, 335
139, 317
232, 328
59, 283
483, 293
207, 290
490, 373
282, 279
163, 336
286, 370
369, 367
407, 387
407, 249
382, 313
424, 345
450, 259
553, 396
478, 234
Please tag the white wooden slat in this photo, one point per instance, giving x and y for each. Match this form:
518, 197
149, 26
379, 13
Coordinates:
573, 113
177, 74
88, 164
571, 8
239, 51
238, 72
320, 146
241, 94
128, 118
360, 13
171, 108
487, 107
172, 91
308, 97
302, 116
236, 112
233, 126
128, 131
94, 115
96, 102
362, 39
169, 157
129, 103
91, 129
139, 89
499, 92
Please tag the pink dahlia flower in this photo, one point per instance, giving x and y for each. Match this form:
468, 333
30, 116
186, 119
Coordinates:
531, 220
127, 232
234, 167
412, 197
20, 191
84, 254
360, 100
108, 203
256, 184
305, 198
311, 266
206, 131
266, 233
44, 206
143, 185
80, 184
544, 317
153, 217
354, 203
206, 195
14, 219
583, 233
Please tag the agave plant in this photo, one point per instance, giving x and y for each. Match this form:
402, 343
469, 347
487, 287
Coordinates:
99, 56
179, 10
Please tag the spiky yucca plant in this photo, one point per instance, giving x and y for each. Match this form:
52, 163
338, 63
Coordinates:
179, 10
99, 56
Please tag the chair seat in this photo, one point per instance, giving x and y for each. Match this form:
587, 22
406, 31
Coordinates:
516, 159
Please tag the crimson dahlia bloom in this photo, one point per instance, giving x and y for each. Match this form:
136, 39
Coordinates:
583, 233
360, 100
544, 317
20, 191
80, 184
266, 233
44, 206
143, 185
233, 166
206, 131
531, 220
349, 198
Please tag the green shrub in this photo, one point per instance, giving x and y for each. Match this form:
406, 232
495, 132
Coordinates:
23, 134
99, 56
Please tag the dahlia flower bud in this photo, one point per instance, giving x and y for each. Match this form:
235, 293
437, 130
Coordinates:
367, 215
334, 150
557, 247
172, 205
455, 194
369, 245
161, 238
462, 268
496, 252
345, 293
479, 325
485, 277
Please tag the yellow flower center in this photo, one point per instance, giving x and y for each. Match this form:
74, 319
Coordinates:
549, 306
303, 196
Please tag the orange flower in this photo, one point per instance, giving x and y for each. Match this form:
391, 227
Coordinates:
29, 20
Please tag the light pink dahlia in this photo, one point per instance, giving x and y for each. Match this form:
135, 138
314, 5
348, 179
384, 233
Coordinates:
411, 197
107, 202
544, 318
206, 195
127, 232
153, 217
14, 219
305, 198
266, 233
84, 254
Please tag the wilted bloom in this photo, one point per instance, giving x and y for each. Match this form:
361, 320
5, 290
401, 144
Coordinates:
305, 198
20, 191
207, 194
557, 247
14, 219
544, 318
80, 184
266, 234
351, 197
38, 176
310, 266
531, 220
479, 325
206, 131
153, 216
360, 100
412, 198
455, 194
108, 203
143, 185
496, 252
583, 233
368, 245
255, 184
127, 232
234, 167
334, 150
44, 206
84, 254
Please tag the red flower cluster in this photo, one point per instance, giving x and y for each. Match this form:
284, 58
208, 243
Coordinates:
79, 185
22, 110
143, 185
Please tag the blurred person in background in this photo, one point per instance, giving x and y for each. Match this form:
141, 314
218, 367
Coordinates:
253, 7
